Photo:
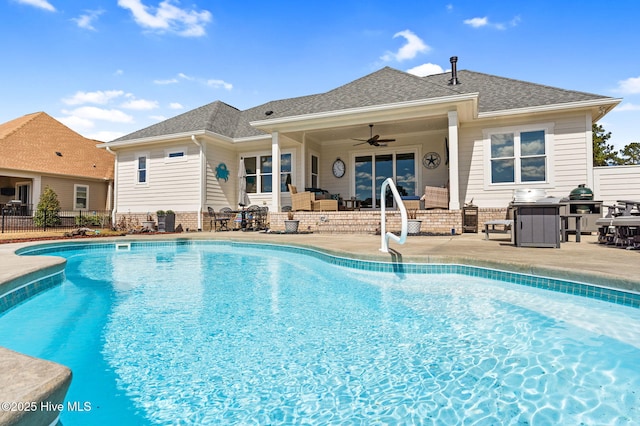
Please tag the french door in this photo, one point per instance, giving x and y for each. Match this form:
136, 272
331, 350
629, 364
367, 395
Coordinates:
372, 170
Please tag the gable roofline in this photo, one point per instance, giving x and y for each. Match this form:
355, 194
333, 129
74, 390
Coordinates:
38, 143
388, 91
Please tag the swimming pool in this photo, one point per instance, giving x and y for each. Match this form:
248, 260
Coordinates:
210, 333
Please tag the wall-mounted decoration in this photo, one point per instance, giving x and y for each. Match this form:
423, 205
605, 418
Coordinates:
338, 168
222, 172
431, 160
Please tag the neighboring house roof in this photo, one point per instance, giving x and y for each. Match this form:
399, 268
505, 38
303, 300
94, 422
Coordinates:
386, 86
32, 143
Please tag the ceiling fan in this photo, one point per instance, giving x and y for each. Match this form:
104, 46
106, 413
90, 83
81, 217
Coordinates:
374, 140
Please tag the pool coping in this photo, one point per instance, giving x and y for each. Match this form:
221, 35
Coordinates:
45, 381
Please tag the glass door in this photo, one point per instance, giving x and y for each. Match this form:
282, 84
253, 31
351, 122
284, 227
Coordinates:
364, 180
384, 169
372, 170
406, 173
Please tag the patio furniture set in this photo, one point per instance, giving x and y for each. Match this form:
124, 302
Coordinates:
253, 218
621, 225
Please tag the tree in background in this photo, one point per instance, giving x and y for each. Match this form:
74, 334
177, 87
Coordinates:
48, 210
604, 154
631, 153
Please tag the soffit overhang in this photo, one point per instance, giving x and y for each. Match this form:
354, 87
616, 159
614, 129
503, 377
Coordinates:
466, 105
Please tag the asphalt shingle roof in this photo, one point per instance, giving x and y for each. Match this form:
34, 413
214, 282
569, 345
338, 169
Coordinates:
30, 143
385, 86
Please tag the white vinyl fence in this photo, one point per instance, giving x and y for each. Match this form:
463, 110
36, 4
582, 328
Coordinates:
614, 183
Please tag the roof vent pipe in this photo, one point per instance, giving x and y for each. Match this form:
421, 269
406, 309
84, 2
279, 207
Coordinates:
454, 71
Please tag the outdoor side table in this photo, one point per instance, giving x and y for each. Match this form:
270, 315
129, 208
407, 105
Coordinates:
564, 229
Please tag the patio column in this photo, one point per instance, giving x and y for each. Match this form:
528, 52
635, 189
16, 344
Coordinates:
454, 182
275, 160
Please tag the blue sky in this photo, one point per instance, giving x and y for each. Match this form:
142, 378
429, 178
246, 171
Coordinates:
106, 68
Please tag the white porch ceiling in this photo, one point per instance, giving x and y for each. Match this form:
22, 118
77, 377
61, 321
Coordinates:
388, 129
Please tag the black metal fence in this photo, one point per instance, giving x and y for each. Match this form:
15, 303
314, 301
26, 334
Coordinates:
25, 219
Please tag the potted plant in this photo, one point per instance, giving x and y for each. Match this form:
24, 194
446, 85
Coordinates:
291, 224
413, 224
166, 221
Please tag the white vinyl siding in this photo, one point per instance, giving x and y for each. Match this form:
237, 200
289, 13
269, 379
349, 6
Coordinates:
172, 185
219, 192
567, 164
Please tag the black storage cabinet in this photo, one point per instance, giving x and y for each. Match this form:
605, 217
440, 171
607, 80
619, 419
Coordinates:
537, 224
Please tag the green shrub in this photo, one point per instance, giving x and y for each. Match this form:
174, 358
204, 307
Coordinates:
48, 210
92, 220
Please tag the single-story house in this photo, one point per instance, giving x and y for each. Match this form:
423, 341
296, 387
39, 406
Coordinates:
37, 151
479, 135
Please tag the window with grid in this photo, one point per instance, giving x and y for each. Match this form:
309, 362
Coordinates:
518, 157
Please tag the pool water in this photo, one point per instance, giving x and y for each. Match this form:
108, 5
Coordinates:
231, 334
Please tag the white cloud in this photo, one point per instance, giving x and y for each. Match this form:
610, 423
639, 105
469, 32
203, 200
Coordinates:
168, 18
99, 97
118, 73
409, 50
477, 22
630, 85
95, 113
627, 107
175, 105
140, 104
86, 21
426, 69
214, 83
217, 84
104, 135
164, 82
158, 117
76, 123
484, 22
42, 4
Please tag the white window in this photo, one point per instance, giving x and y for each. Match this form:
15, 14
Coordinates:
142, 167
260, 173
80, 197
175, 154
518, 155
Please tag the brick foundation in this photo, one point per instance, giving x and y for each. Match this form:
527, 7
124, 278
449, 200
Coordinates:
188, 220
367, 222
344, 222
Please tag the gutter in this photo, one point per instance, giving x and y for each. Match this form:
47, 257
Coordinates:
603, 105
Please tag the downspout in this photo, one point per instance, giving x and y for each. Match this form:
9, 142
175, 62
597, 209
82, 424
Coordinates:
113, 186
201, 180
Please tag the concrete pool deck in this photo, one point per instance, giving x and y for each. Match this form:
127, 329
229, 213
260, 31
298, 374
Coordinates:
37, 381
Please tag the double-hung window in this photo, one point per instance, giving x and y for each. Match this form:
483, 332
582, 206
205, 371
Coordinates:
519, 156
80, 197
142, 165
